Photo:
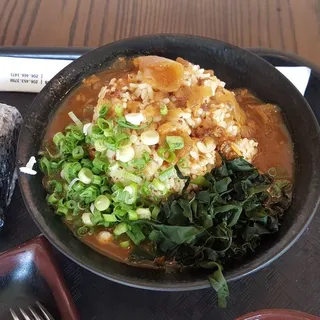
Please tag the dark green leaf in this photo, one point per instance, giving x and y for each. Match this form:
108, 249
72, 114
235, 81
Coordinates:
222, 185
218, 283
239, 164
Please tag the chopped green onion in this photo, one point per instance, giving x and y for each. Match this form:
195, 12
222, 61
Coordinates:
74, 132
45, 166
122, 140
167, 174
57, 138
100, 145
76, 211
83, 231
125, 124
62, 210
78, 186
55, 165
89, 194
154, 213
118, 109
109, 218
95, 170
272, 172
175, 142
117, 186
98, 180
86, 163
85, 175
138, 164
96, 132
128, 195
132, 215
183, 163
133, 138
132, 177
70, 170
56, 155
124, 244
146, 156
86, 218
75, 119
100, 164
103, 110
135, 234
102, 203
158, 185
121, 228
96, 217
77, 153
52, 199
201, 181
144, 213
103, 189
108, 133
166, 155
163, 110
55, 186
104, 124
71, 204
119, 212
82, 205
145, 189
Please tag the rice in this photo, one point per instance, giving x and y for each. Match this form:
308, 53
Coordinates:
209, 127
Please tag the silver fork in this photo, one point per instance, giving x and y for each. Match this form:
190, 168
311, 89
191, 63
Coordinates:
43, 314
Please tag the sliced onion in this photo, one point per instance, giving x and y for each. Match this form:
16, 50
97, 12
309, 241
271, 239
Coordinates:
72, 182
87, 128
75, 119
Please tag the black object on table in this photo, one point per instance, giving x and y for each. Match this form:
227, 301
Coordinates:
292, 281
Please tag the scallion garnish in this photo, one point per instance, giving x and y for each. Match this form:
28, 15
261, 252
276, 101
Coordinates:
120, 228
53, 198
166, 155
124, 244
85, 175
118, 109
163, 110
75, 119
175, 142
167, 174
125, 124
77, 153
58, 138
109, 218
102, 203
103, 110
89, 194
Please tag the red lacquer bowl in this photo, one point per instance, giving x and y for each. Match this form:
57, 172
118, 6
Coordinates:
278, 314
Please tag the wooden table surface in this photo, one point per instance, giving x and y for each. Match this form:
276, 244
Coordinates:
289, 25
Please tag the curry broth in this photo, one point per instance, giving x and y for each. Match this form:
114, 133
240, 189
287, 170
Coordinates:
264, 123
269, 130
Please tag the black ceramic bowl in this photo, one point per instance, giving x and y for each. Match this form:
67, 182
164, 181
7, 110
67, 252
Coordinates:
238, 68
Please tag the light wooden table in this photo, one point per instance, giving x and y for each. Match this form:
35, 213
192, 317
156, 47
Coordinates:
289, 25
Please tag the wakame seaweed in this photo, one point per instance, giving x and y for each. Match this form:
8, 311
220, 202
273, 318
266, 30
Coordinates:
221, 222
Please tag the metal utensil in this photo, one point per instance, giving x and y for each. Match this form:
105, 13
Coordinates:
32, 314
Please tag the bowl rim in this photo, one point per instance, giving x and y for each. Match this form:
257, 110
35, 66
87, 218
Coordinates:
266, 313
233, 275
